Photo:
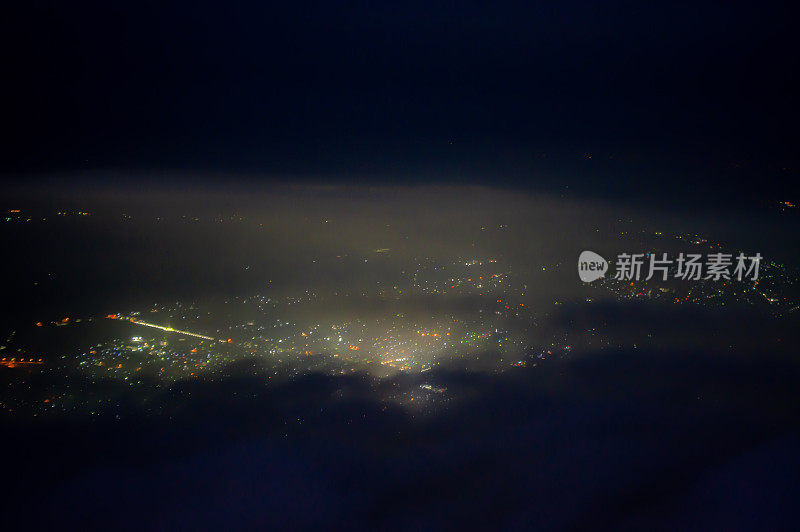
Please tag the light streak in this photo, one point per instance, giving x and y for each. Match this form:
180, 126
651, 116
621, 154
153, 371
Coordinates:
170, 329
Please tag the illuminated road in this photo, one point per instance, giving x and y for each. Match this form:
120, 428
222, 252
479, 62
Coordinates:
167, 329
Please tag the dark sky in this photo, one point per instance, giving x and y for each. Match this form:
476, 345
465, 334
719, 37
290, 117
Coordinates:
660, 96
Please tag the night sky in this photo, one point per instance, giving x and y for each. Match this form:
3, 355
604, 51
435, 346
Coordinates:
612, 99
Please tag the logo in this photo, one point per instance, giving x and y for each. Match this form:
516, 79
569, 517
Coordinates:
686, 266
591, 266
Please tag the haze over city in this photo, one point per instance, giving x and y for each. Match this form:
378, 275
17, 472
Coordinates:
317, 266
